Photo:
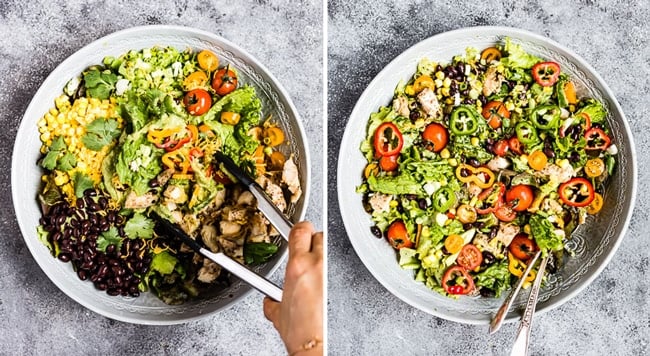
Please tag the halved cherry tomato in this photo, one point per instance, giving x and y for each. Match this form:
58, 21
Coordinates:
197, 102
515, 145
436, 135
470, 257
546, 73
454, 243
398, 236
537, 160
456, 280
273, 136
523, 247
423, 81
595, 205
501, 148
208, 60
494, 112
466, 214
570, 93
491, 54
388, 140
594, 167
230, 118
388, 163
224, 81
597, 139
519, 197
195, 80
505, 213
577, 192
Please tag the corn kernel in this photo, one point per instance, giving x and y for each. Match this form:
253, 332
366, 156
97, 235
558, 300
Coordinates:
445, 153
440, 75
509, 105
445, 91
449, 101
527, 229
53, 111
393, 203
452, 162
474, 141
45, 136
43, 149
438, 82
446, 83
61, 178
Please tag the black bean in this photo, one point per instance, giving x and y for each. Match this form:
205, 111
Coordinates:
90, 193
118, 280
473, 162
103, 271
488, 258
82, 275
113, 292
56, 236
487, 293
464, 172
549, 152
94, 278
133, 289
61, 219
64, 257
422, 203
144, 269
121, 231
135, 281
154, 183
101, 286
111, 217
574, 157
467, 226
414, 115
597, 125
80, 204
103, 203
95, 207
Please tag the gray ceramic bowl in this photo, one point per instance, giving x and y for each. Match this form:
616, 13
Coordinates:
25, 174
594, 243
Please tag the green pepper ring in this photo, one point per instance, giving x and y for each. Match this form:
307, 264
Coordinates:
463, 121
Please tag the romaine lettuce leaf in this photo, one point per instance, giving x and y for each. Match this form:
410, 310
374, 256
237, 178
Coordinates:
517, 57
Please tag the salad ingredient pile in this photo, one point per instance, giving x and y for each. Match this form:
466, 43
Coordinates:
482, 162
138, 134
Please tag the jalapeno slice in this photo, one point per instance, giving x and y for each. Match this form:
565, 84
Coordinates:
443, 199
546, 117
526, 133
464, 120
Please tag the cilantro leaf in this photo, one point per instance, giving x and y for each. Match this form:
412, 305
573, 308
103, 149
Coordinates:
139, 226
56, 148
100, 84
81, 183
67, 162
110, 237
164, 263
100, 133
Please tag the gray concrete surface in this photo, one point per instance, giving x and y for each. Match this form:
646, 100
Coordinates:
38, 319
610, 317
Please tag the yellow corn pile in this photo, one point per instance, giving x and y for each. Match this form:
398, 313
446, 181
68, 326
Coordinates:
69, 121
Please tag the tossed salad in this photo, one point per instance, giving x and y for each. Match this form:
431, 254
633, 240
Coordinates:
480, 163
138, 134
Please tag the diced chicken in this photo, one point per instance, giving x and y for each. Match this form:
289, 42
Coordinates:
492, 82
560, 174
551, 205
164, 177
380, 202
401, 106
258, 229
177, 216
232, 248
498, 163
291, 179
175, 194
246, 198
190, 224
484, 243
239, 215
209, 272
274, 192
473, 189
429, 102
134, 201
209, 237
229, 227
507, 232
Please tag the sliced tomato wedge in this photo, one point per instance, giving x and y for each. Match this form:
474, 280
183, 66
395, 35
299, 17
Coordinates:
505, 213
456, 280
469, 257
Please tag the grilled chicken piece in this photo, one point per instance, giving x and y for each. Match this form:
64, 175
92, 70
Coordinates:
235, 214
274, 192
492, 82
229, 227
259, 228
209, 237
133, 201
234, 249
401, 106
507, 232
209, 272
429, 102
164, 177
246, 198
498, 163
190, 224
291, 179
380, 202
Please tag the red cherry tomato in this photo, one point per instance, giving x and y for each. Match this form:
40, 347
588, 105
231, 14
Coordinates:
388, 163
456, 280
494, 112
398, 236
501, 148
224, 81
520, 197
515, 145
197, 102
437, 135
522, 247
505, 213
470, 257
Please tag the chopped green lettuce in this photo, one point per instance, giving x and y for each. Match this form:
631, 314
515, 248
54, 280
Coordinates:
516, 56
594, 109
544, 234
496, 278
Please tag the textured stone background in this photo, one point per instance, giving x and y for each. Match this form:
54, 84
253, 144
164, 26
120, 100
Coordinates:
610, 317
38, 319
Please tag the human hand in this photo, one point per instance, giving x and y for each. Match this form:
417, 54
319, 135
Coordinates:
299, 316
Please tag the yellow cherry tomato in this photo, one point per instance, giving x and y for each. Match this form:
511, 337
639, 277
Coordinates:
273, 136
596, 204
466, 214
454, 243
208, 60
230, 118
537, 160
423, 81
195, 80
595, 167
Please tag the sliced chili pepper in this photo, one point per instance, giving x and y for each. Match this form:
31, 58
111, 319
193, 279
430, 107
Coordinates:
491, 54
457, 281
546, 73
526, 133
490, 198
517, 268
481, 176
443, 199
388, 140
597, 139
546, 117
577, 192
176, 144
464, 120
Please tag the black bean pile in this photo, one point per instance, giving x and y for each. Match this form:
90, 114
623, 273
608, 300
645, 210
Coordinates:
74, 231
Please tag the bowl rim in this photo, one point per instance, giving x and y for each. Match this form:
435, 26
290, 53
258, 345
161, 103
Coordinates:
411, 52
30, 238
